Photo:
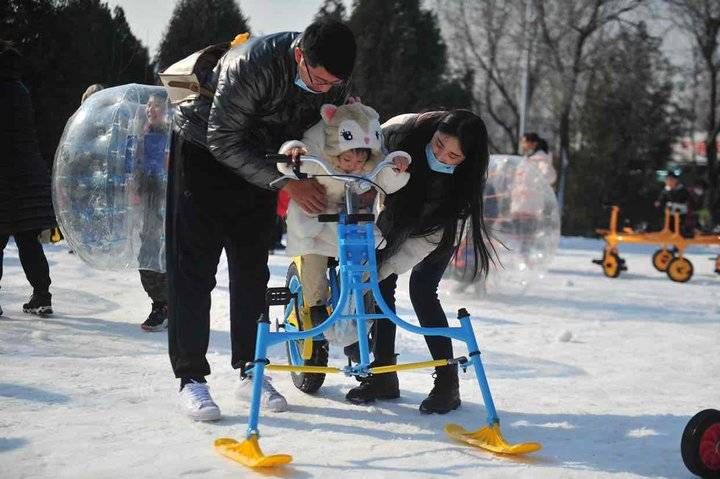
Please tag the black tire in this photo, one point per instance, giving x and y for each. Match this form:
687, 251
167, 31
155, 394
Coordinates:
700, 444
307, 382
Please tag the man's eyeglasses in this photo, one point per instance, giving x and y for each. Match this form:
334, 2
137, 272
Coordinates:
320, 83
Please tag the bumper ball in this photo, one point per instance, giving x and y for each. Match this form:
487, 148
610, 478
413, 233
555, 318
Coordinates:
523, 220
110, 178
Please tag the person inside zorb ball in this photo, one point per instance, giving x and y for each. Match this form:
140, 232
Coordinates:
110, 178
522, 216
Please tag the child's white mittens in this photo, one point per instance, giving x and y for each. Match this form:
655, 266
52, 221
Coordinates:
285, 148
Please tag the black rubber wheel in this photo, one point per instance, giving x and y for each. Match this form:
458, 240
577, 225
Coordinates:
306, 382
661, 259
700, 445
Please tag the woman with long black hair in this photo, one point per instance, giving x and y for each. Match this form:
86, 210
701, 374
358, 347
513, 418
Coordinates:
423, 224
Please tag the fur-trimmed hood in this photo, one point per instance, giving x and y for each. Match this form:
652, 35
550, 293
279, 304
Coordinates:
351, 126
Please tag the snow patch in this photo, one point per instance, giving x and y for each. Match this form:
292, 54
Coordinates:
642, 432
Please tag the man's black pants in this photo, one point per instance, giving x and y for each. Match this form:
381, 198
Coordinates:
209, 209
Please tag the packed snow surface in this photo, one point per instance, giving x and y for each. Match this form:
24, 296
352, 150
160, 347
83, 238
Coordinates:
605, 373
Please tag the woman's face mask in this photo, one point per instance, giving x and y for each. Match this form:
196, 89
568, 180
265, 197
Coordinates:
435, 164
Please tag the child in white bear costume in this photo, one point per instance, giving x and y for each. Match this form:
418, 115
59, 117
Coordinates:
348, 139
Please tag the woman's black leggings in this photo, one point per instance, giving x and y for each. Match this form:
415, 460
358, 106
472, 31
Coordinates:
424, 281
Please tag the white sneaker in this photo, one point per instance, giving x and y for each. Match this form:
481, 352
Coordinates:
270, 398
198, 404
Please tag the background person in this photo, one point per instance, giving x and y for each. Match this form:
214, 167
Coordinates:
25, 200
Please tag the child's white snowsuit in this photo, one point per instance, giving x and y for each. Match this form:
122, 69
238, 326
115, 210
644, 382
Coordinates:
341, 129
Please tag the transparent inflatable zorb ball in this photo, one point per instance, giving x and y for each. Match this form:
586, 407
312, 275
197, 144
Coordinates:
523, 219
110, 178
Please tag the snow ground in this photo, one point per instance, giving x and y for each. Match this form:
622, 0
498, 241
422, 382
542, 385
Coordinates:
604, 373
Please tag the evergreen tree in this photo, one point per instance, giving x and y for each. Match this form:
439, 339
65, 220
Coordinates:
66, 47
334, 9
195, 24
401, 64
627, 125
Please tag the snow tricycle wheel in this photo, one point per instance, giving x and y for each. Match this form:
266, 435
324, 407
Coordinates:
306, 382
661, 259
700, 446
680, 270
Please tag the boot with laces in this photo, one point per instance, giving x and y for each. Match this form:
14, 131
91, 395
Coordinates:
196, 401
376, 386
445, 394
270, 398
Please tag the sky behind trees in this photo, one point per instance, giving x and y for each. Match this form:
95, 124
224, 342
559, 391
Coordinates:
149, 18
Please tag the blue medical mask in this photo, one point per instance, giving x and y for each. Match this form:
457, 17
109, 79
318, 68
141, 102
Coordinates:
301, 84
435, 164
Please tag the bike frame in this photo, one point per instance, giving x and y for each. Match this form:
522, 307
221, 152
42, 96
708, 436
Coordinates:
358, 274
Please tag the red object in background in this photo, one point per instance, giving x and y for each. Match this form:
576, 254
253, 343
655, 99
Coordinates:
282, 203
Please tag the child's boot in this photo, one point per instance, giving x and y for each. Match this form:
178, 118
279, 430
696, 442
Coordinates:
318, 314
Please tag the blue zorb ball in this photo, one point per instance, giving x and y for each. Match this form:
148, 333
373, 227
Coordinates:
110, 178
523, 220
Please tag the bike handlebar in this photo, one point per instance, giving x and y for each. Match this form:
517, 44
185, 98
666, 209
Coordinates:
345, 177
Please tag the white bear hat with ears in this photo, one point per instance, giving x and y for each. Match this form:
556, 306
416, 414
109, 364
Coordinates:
350, 126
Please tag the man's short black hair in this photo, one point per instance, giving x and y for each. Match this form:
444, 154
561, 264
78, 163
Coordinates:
330, 44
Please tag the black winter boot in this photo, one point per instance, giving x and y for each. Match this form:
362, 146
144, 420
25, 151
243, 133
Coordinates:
40, 303
445, 394
378, 386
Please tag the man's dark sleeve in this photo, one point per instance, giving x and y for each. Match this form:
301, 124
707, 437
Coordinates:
241, 91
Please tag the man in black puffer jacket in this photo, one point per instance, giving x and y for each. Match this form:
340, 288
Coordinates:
25, 202
222, 192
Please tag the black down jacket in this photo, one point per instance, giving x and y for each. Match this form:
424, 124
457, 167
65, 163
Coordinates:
25, 200
256, 107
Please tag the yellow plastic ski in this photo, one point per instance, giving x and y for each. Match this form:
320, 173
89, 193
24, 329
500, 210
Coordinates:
248, 453
491, 439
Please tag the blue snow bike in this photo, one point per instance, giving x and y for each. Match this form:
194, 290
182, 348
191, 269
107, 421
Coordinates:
354, 277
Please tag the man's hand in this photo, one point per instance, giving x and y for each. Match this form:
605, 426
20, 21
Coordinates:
309, 194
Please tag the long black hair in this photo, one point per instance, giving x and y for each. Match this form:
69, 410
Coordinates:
433, 202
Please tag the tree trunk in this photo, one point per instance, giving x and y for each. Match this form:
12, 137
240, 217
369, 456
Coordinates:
711, 146
564, 157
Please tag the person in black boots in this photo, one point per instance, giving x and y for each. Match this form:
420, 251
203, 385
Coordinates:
421, 224
222, 191
25, 201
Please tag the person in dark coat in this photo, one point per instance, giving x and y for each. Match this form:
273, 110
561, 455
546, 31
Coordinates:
222, 192
25, 201
675, 197
422, 224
